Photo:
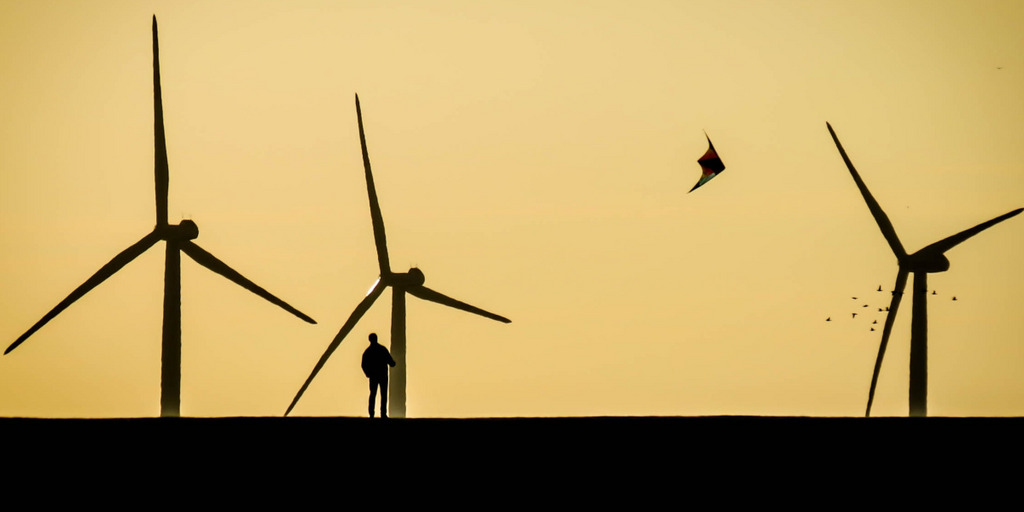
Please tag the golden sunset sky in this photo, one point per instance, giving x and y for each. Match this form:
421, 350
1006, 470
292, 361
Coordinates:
533, 158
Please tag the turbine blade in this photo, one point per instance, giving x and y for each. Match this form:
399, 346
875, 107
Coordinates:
211, 262
880, 218
101, 275
948, 243
427, 294
160, 142
897, 295
358, 313
378, 221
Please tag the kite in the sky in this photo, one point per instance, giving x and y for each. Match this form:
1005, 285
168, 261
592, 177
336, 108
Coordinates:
710, 165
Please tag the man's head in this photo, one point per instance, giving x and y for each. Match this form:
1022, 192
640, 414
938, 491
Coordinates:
373, 337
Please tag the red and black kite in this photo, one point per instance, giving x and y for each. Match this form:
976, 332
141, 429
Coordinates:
710, 165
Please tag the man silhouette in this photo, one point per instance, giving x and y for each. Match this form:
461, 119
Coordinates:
376, 360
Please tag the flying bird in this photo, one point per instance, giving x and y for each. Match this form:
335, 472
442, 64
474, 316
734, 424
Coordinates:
179, 239
929, 259
710, 165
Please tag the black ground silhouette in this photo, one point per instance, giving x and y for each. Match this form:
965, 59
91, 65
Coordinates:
573, 460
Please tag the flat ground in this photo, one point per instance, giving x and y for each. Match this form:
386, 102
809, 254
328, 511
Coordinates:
512, 452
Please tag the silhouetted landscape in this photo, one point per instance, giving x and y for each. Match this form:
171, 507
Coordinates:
585, 460
577, 212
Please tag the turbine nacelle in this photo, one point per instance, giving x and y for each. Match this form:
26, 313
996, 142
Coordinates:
412, 279
187, 230
925, 260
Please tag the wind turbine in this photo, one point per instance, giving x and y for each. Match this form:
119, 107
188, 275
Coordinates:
179, 239
401, 283
930, 259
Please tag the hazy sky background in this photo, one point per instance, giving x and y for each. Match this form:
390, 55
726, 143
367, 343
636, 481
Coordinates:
533, 159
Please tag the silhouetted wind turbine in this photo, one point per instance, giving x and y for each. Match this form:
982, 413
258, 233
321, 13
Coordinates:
408, 282
927, 260
179, 239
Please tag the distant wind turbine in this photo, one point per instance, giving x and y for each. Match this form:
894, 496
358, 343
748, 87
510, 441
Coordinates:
930, 259
400, 283
179, 238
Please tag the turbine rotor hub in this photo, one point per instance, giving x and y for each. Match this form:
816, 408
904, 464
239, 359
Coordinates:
417, 276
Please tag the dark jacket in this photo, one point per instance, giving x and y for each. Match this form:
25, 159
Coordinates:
376, 360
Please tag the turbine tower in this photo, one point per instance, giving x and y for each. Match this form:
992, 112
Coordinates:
401, 283
179, 239
928, 260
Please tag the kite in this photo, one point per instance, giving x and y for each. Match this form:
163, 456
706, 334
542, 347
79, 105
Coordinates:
710, 165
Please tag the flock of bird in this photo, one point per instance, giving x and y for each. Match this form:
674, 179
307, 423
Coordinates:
854, 314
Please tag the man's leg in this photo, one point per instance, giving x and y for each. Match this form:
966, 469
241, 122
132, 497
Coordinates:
373, 395
384, 397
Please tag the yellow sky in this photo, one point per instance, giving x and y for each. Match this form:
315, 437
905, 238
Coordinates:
533, 159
